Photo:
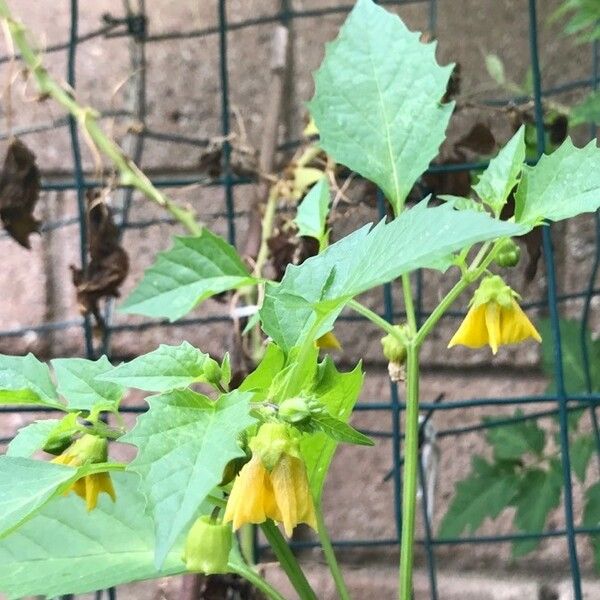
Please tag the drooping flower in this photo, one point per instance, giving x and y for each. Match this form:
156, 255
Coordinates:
494, 318
274, 484
88, 449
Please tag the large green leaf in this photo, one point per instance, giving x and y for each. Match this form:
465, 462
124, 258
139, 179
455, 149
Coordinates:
194, 269
539, 493
591, 518
163, 369
338, 392
503, 172
184, 442
31, 438
78, 383
312, 294
377, 102
511, 442
66, 550
563, 184
26, 380
582, 449
484, 493
311, 218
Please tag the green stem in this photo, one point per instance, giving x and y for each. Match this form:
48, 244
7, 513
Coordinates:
288, 561
246, 537
409, 305
375, 318
256, 580
411, 454
129, 172
329, 553
267, 231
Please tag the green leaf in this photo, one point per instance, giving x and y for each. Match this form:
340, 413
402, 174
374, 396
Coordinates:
26, 380
591, 518
78, 382
587, 111
340, 431
511, 442
184, 442
503, 172
31, 438
311, 218
163, 369
194, 269
572, 356
539, 493
311, 295
484, 493
582, 449
495, 68
377, 102
338, 392
66, 550
563, 184
261, 378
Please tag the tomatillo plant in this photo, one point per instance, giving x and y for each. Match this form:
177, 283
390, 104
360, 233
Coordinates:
260, 452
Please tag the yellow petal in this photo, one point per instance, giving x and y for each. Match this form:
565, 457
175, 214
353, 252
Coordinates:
493, 313
328, 342
516, 326
105, 484
472, 331
92, 489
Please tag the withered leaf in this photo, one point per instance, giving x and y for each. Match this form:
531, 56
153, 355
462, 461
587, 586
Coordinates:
108, 262
286, 247
19, 192
453, 87
479, 139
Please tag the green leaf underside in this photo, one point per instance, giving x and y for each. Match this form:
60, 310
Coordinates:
539, 493
184, 442
338, 392
31, 438
562, 185
25, 380
78, 382
582, 449
66, 550
163, 369
503, 172
591, 518
316, 290
484, 493
311, 217
377, 102
194, 269
511, 442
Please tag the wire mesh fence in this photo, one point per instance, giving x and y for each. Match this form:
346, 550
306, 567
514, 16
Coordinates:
133, 24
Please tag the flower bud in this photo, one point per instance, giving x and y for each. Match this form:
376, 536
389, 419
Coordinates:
394, 349
508, 254
207, 547
88, 449
212, 371
494, 289
294, 410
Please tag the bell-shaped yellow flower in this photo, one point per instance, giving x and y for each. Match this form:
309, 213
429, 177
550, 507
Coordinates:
328, 341
88, 449
495, 318
273, 485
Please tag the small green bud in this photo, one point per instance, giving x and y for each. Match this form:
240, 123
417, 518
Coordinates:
207, 547
393, 349
212, 371
508, 254
88, 449
294, 410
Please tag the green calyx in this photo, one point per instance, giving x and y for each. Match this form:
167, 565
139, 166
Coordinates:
207, 546
494, 289
88, 449
394, 347
272, 441
508, 254
294, 410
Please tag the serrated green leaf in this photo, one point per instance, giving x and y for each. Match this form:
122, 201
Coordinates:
311, 218
338, 392
591, 518
26, 380
539, 493
487, 491
582, 449
184, 442
511, 442
163, 369
587, 111
66, 550
311, 295
78, 381
194, 269
563, 184
261, 378
31, 438
340, 431
503, 172
377, 102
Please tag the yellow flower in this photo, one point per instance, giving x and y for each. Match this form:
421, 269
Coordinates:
281, 493
495, 318
328, 341
88, 449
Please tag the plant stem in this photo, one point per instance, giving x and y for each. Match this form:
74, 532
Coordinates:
288, 561
267, 230
409, 305
329, 553
411, 457
129, 172
375, 318
256, 580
